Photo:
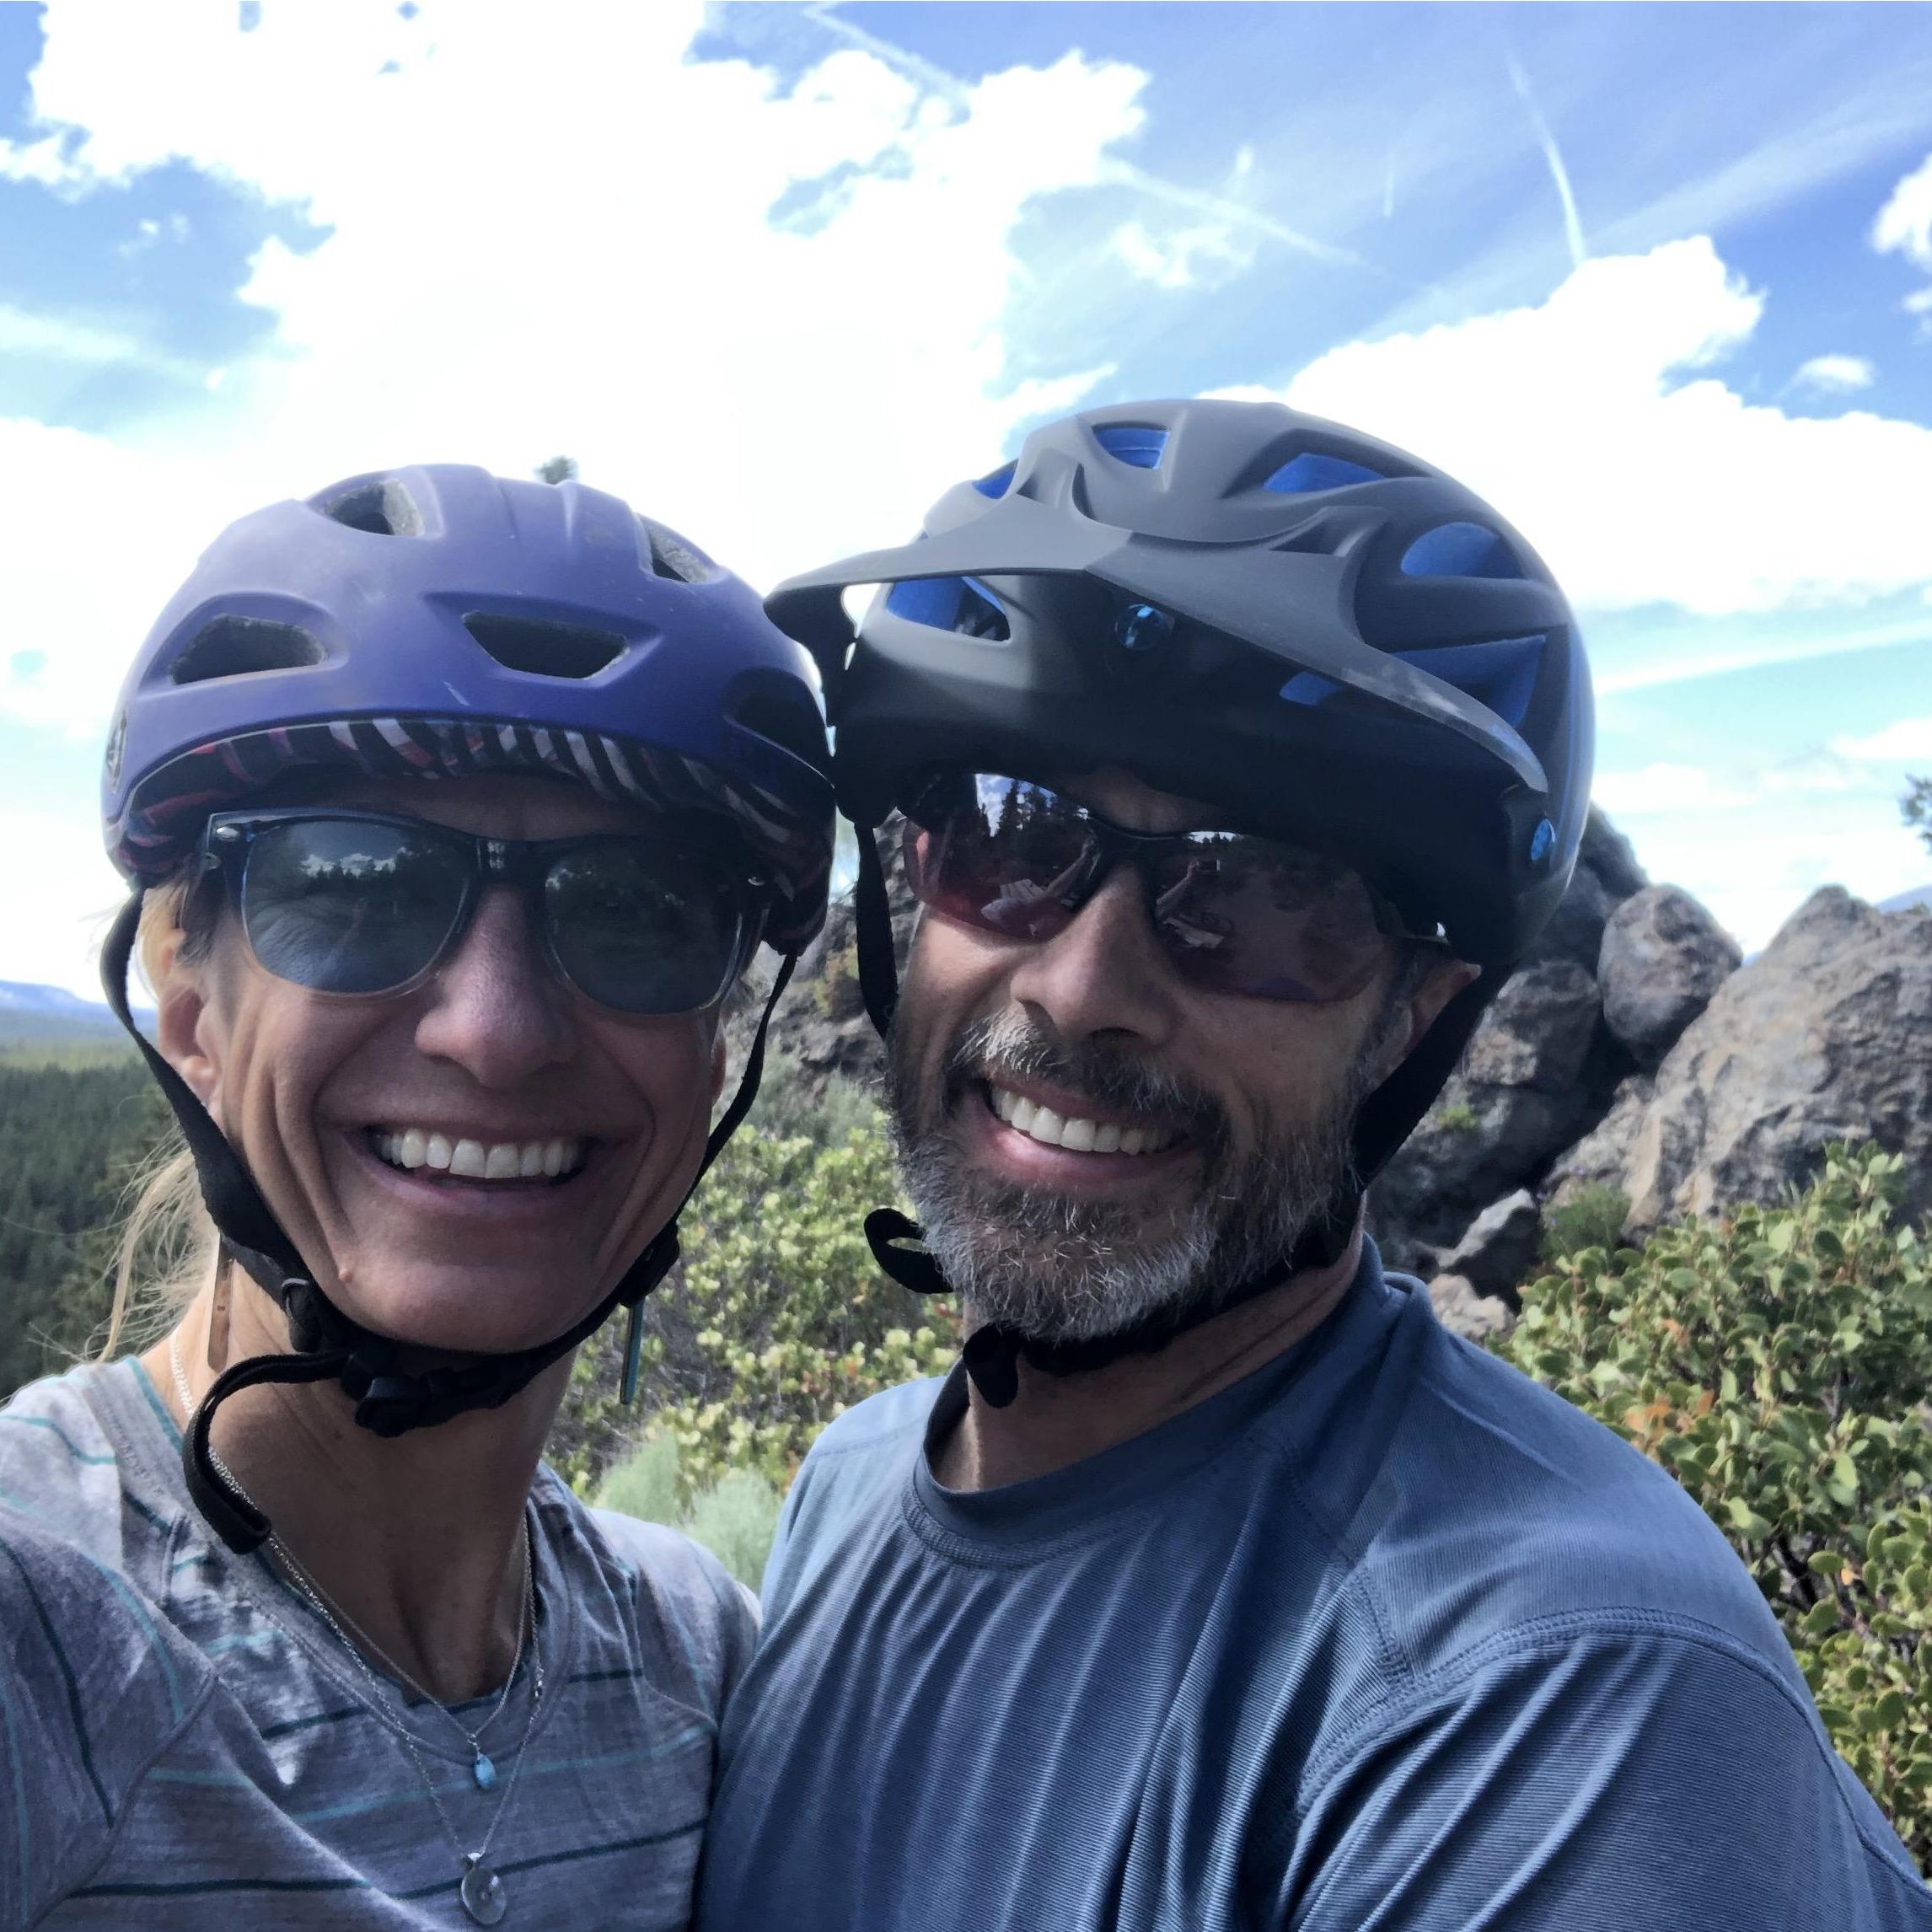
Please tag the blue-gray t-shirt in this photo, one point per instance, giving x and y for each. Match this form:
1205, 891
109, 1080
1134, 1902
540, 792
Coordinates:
1384, 1636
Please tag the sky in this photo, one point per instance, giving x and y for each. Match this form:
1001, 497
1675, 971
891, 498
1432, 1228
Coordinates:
1654, 280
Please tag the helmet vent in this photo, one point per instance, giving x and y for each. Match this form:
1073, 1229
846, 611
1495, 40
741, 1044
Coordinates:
541, 649
1138, 444
955, 604
1459, 549
383, 508
996, 483
672, 557
1313, 470
234, 646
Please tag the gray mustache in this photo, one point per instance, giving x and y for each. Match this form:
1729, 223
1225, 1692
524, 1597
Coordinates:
1005, 1044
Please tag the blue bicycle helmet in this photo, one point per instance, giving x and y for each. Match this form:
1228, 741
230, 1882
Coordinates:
435, 622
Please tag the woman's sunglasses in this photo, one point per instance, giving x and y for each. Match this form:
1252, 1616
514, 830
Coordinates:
1236, 912
366, 902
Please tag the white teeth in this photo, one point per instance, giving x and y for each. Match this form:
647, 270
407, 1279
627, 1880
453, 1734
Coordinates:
1081, 1135
472, 1160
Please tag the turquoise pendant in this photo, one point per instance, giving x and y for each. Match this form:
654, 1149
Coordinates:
484, 1772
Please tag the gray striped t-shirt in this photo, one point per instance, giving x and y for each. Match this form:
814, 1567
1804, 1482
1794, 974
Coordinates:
184, 1744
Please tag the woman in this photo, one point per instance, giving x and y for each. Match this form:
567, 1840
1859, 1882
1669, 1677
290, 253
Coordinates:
301, 1634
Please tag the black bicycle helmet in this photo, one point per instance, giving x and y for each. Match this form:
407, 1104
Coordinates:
1253, 607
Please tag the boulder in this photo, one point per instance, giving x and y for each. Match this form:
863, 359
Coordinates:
1602, 1158
1525, 1089
1823, 1037
1465, 1312
1499, 1249
1662, 958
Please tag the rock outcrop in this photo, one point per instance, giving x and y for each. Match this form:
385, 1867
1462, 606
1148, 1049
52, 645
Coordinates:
1826, 1035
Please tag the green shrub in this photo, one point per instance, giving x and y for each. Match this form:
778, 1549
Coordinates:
1593, 1217
1458, 1118
1778, 1363
735, 1519
777, 1320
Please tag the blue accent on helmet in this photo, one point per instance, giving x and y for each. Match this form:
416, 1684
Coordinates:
1541, 839
402, 614
996, 483
960, 604
1460, 550
1312, 470
1138, 443
1143, 627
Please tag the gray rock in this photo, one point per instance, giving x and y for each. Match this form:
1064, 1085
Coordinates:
1463, 1311
1499, 1249
1826, 1036
1602, 1158
1519, 1097
1663, 955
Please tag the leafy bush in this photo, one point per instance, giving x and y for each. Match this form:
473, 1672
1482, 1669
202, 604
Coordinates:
735, 1520
1593, 1217
1778, 1363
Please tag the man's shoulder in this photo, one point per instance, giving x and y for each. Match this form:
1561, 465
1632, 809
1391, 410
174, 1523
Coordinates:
1494, 1505
879, 1428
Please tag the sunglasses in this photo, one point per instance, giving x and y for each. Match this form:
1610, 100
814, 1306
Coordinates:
1235, 912
365, 902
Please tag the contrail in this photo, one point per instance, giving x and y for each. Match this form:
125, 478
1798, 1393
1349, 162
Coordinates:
1113, 173
1572, 228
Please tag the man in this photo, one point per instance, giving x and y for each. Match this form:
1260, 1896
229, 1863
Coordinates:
1241, 757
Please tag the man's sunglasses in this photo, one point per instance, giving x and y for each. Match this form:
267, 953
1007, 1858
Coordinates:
367, 903
1236, 912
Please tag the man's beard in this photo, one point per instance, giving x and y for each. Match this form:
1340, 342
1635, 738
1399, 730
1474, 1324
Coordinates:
1060, 1268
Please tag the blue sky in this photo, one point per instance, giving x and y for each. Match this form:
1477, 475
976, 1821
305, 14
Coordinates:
1657, 279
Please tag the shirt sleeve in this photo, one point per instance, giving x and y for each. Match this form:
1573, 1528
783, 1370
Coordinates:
90, 1692
1597, 1781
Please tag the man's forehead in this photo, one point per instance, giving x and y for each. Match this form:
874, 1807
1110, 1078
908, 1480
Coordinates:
1127, 799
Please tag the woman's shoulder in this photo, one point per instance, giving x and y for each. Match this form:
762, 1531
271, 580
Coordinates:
64, 1462
662, 1595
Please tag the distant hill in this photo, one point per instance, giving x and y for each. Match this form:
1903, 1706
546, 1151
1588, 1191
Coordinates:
42, 1021
1904, 901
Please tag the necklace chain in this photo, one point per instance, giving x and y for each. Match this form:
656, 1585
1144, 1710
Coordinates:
482, 1891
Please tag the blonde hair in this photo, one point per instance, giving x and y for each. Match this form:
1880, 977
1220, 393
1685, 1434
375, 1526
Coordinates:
167, 1246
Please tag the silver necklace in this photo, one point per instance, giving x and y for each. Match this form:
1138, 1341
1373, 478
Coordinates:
480, 1887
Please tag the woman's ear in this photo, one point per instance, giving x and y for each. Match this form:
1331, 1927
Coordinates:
182, 1026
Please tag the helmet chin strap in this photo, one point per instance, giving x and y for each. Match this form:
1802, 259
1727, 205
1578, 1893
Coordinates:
994, 1351
377, 1373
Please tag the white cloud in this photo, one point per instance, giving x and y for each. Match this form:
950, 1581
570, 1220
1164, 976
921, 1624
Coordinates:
1640, 481
1207, 253
1835, 375
1904, 225
543, 241
1665, 790
22, 332
1904, 739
